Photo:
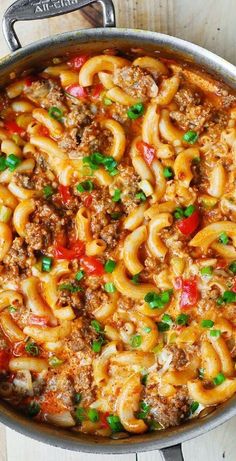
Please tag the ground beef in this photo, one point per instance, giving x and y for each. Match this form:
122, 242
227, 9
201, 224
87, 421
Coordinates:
46, 93
60, 383
102, 206
136, 81
110, 234
179, 358
79, 363
94, 139
80, 115
168, 411
23, 180
193, 117
37, 236
66, 298
128, 182
125, 303
19, 258
81, 337
186, 97
95, 299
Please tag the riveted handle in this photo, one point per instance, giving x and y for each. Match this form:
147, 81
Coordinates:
28, 10
172, 453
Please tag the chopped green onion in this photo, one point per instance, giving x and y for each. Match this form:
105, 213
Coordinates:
179, 213
168, 172
93, 415
190, 137
109, 287
162, 326
215, 333
69, 287
12, 309
48, 191
97, 345
107, 102
135, 278
207, 323
55, 362
189, 210
136, 341
206, 270
158, 301
80, 414
55, 113
144, 379
116, 215
223, 238
219, 379
12, 162
135, 111
110, 266
182, 319
116, 196
144, 410
96, 326
227, 297
85, 186
114, 423
32, 348
77, 398
114, 172
232, 267
154, 425
3, 165
147, 329
5, 213
46, 263
33, 409
201, 372
194, 406
141, 196
79, 275
166, 318
97, 159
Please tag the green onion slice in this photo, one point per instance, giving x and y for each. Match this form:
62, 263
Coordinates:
135, 111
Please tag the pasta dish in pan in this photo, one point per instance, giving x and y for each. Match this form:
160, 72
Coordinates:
117, 243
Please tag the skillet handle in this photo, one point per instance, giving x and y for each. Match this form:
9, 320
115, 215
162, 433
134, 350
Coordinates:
173, 453
28, 10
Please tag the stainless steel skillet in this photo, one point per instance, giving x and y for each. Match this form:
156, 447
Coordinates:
31, 56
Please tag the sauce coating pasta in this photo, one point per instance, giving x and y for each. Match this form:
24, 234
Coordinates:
117, 243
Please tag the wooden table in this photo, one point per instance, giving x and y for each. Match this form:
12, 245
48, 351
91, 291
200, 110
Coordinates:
210, 23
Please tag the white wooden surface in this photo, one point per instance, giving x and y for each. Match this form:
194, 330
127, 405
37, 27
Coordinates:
211, 24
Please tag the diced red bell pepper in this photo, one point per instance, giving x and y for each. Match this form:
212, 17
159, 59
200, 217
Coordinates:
4, 360
41, 321
96, 91
65, 194
91, 265
78, 61
13, 128
221, 263
18, 349
88, 200
188, 225
76, 251
190, 294
148, 152
103, 419
28, 80
43, 131
77, 91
